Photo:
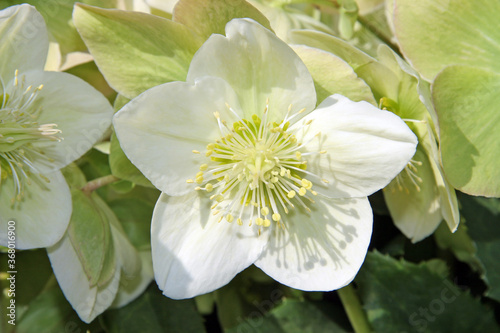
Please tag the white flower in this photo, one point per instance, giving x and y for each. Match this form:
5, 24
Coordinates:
47, 120
250, 174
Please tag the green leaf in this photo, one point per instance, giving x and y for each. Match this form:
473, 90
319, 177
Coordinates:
436, 33
459, 243
89, 234
467, 102
329, 43
333, 75
398, 295
121, 166
136, 51
74, 176
206, 17
135, 216
90, 73
290, 317
94, 164
483, 221
50, 312
153, 312
34, 271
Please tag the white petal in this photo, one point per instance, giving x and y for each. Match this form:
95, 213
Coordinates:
159, 129
24, 41
136, 267
42, 218
81, 112
365, 147
415, 211
132, 287
259, 66
87, 302
323, 250
192, 253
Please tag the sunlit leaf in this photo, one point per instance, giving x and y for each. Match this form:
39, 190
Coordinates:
468, 106
206, 17
398, 295
136, 51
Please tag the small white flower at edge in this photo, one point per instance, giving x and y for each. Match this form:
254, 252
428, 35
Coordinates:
47, 120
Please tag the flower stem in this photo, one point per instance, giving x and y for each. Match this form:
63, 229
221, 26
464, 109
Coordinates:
99, 182
353, 308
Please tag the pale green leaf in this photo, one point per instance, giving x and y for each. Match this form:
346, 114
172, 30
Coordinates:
332, 75
207, 17
121, 166
89, 234
436, 33
337, 46
467, 102
136, 51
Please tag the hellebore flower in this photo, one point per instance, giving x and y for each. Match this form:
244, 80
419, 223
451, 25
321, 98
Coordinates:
47, 120
420, 197
252, 174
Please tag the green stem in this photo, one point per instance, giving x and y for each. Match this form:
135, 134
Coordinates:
99, 182
353, 308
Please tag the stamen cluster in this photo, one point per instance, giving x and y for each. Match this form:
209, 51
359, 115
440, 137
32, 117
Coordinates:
255, 171
19, 129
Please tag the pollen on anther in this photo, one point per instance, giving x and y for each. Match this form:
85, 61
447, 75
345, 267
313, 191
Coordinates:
276, 217
195, 151
291, 194
302, 191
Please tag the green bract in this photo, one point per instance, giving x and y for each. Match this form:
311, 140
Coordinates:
47, 120
456, 45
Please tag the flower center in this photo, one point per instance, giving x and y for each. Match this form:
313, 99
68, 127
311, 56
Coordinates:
255, 171
19, 130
